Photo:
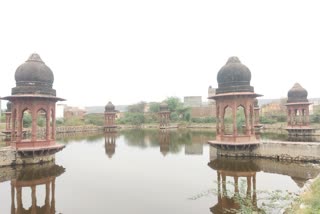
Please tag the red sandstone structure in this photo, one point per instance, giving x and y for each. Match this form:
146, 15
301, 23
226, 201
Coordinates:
164, 116
235, 170
257, 124
110, 143
109, 118
35, 96
31, 178
298, 112
234, 92
8, 117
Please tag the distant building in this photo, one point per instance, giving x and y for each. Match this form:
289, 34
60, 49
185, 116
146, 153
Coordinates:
192, 101
211, 92
274, 108
73, 112
203, 111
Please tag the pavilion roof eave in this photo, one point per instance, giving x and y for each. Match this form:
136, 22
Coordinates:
12, 97
235, 94
298, 103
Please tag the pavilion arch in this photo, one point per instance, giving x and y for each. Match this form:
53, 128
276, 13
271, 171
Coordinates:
241, 118
26, 121
227, 127
41, 119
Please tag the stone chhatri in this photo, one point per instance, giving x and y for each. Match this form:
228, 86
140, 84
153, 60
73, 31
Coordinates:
234, 77
34, 77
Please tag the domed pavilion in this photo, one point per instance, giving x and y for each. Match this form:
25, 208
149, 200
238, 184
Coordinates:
298, 111
234, 92
164, 116
109, 118
33, 97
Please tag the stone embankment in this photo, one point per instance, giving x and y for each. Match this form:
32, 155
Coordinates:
279, 150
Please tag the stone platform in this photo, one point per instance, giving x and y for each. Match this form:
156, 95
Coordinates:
280, 150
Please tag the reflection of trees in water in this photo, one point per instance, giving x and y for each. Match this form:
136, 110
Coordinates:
176, 138
89, 137
280, 135
135, 137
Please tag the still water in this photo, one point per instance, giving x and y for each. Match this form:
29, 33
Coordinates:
139, 171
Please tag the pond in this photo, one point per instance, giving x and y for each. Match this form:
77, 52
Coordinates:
146, 171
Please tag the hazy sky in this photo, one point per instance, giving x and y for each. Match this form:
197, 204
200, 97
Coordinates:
128, 51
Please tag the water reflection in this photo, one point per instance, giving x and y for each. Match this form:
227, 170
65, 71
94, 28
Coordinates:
248, 169
164, 141
228, 201
33, 177
282, 135
110, 143
169, 141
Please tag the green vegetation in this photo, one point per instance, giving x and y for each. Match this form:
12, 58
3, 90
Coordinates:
137, 114
204, 120
94, 119
309, 202
240, 202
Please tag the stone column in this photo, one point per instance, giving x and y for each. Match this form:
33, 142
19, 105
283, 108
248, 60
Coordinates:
19, 125
222, 128
19, 199
53, 192
254, 198
234, 117
217, 120
53, 116
307, 116
34, 200
224, 186
34, 125
249, 187
13, 206
246, 115
13, 130
219, 185
252, 118
47, 199
236, 184
48, 116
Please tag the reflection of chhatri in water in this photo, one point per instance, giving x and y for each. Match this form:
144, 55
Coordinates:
248, 169
33, 177
228, 203
164, 141
110, 143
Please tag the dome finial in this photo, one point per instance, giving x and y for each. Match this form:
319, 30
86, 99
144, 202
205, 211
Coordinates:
233, 59
35, 58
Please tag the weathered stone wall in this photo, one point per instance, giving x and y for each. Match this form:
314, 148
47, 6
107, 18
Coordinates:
7, 156
7, 173
34, 160
203, 111
293, 151
298, 151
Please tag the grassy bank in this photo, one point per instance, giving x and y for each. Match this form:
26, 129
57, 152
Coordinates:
310, 200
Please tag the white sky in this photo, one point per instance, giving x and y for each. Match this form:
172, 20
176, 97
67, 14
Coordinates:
128, 51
